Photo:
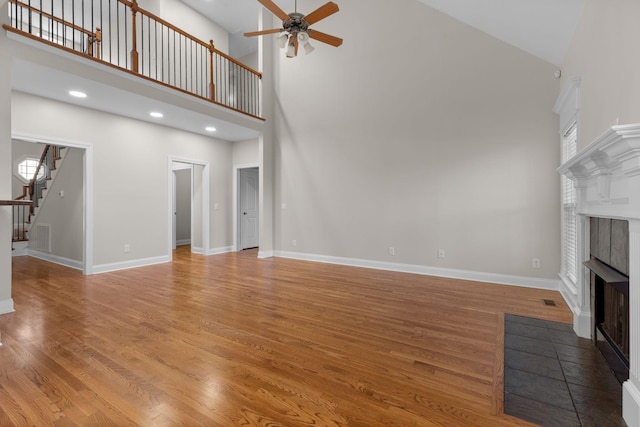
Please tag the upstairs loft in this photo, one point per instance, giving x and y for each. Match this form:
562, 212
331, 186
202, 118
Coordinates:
120, 38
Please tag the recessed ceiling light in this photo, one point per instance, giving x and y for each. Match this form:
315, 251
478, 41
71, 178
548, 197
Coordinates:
210, 129
77, 94
156, 114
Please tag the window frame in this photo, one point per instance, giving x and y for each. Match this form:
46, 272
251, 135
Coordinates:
568, 199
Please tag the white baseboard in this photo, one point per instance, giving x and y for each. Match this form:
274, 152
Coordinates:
197, 250
581, 319
6, 306
502, 279
105, 268
217, 251
56, 259
183, 242
265, 254
20, 249
630, 403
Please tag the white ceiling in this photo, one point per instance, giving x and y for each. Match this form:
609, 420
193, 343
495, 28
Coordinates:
541, 27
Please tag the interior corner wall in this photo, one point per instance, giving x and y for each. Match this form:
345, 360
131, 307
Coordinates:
602, 53
435, 137
130, 194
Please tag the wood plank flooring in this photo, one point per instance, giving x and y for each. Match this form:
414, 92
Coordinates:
234, 340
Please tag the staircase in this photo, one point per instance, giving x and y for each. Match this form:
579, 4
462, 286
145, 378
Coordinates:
26, 205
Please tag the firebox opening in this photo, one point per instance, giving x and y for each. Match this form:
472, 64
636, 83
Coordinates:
609, 263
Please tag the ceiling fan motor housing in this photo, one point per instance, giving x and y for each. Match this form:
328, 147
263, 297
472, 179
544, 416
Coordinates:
295, 24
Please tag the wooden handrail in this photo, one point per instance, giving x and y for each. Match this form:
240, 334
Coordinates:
134, 7
221, 84
43, 157
15, 203
52, 17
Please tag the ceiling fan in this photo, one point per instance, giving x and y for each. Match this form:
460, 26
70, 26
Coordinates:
295, 27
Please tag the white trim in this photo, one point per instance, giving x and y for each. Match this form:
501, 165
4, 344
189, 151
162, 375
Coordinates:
71, 263
87, 214
105, 268
503, 279
630, 403
218, 251
183, 242
607, 177
197, 250
6, 306
236, 200
567, 105
266, 254
20, 249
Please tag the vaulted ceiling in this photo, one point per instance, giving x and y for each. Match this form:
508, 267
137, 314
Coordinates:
541, 27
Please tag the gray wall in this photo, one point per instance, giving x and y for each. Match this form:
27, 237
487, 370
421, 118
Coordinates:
434, 137
130, 169
64, 215
602, 54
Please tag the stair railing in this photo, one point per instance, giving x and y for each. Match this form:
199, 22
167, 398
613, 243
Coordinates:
23, 208
20, 215
124, 35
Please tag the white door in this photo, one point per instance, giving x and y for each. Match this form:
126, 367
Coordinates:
249, 208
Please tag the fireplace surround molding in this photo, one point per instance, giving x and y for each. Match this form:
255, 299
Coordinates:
606, 175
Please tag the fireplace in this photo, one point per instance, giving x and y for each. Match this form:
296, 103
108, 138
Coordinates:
609, 266
606, 174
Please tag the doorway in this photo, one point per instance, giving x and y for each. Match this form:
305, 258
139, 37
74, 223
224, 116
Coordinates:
188, 211
248, 212
74, 252
182, 203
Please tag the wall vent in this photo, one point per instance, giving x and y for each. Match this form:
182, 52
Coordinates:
40, 237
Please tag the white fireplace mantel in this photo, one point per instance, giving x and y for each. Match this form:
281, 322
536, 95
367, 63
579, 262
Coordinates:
607, 174
607, 178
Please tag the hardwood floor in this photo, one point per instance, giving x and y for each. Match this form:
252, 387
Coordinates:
233, 340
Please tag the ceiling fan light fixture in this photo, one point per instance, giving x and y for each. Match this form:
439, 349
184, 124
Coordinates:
308, 48
282, 40
295, 27
291, 50
303, 37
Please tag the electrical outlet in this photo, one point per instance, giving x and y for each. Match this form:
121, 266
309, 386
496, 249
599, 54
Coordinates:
126, 249
535, 263
392, 250
441, 253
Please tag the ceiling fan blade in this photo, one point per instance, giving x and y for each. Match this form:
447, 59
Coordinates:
260, 33
275, 9
322, 12
296, 44
325, 38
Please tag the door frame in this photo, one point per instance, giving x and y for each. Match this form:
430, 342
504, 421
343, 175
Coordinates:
205, 202
87, 191
236, 201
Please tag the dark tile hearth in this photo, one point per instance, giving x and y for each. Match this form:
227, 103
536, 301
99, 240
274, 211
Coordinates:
554, 378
